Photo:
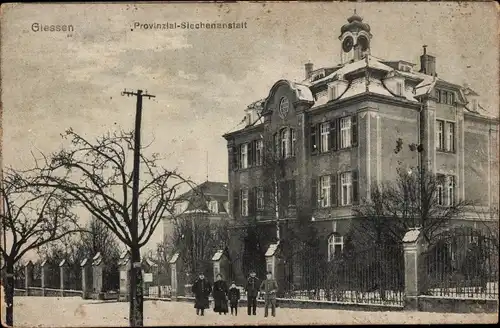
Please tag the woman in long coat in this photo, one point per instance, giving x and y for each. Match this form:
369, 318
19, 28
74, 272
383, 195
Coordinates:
201, 290
220, 293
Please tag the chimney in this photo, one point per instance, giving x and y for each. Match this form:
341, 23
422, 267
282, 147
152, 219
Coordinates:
427, 63
309, 68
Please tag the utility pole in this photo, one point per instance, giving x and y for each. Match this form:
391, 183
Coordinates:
136, 299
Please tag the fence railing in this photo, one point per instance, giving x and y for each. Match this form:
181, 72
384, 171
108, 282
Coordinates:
462, 264
372, 276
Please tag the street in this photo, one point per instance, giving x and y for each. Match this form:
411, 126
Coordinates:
73, 311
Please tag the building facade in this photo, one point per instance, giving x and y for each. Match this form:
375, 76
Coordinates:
346, 128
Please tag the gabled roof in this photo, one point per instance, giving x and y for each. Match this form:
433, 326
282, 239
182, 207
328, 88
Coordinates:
218, 255
174, 258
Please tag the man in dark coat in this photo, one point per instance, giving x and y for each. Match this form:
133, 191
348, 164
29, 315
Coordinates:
220, 295
201, 290
252, 289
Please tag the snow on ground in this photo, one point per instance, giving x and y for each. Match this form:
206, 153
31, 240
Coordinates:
75, 312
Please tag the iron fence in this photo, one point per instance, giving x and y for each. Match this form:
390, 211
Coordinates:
462, 263
371, 276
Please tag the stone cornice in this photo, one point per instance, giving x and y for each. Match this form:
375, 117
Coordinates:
481, 118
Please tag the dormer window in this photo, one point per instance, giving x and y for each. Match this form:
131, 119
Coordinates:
213, 206
399, 88
333, 92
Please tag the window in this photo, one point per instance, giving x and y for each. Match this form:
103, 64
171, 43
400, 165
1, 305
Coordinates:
445, 97
335, 246
226, 206
325, 136
260, 198
244, 156
399, 89
276, 145
284, 139
451, 191
244, 202
284, 107
474, 104
440, 135
333, 92
345, 132
294, 142
450, 136
213, 206
440, 190
259, 151
346, 188
324, 191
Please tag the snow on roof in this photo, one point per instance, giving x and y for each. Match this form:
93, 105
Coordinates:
96, 256
272, 249
43, 263
63, 262
174, 258
218, 255
124, 254
303, 92
84, 262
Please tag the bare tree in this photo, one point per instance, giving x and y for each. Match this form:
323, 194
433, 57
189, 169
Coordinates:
98, 175
32, 217
197, 240
416, 198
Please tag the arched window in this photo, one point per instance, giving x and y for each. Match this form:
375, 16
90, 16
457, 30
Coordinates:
335, 246
285, 142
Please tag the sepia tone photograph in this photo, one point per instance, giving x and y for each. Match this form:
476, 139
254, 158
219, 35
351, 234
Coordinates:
249, 163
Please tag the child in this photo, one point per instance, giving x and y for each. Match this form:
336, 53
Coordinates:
234, 297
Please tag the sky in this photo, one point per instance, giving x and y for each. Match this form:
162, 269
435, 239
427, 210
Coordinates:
204, 79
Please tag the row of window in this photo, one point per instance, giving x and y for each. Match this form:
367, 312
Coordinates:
249, 154
249, 201
285, 143
335, 190
445, 97
445, 136
445, 192
340, 133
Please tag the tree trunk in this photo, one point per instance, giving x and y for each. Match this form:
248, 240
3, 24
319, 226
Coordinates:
136, 290
9, 294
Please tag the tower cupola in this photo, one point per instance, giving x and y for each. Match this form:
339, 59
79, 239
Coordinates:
355, 39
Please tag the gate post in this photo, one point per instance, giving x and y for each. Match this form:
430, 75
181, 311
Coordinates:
273, 265
414, 276
28, 277
44, 266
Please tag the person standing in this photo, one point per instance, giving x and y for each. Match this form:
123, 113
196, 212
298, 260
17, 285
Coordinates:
220, 292
234, 298
201, 290
269, 287
252, 289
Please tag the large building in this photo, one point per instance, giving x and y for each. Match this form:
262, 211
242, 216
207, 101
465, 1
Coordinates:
208, 200
336, 133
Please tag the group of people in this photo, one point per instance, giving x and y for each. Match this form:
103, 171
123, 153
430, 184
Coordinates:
222, 294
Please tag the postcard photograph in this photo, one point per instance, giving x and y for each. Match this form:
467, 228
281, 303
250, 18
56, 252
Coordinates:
249, 163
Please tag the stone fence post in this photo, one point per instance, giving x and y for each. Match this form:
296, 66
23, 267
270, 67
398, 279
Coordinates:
86, 266
28, 277
175, 282
124, 267
273, 262
414, 245
63, 276
97, 276
45, 275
